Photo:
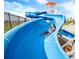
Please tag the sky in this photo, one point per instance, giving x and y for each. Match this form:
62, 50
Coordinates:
19, 7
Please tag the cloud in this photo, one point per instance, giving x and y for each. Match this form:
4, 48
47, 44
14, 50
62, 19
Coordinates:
42, 1
24, 0
30, 9
66, 8
17, 8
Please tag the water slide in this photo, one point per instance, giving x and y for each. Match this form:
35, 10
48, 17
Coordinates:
67, 34
26, 41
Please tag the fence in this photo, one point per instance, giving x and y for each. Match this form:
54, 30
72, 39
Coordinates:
11, 21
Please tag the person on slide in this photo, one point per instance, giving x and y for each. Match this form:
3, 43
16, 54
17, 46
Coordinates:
52, 29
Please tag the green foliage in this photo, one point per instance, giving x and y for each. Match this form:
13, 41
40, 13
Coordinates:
69, 21
13, 24
7, 26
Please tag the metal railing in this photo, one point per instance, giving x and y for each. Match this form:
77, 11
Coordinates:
11, 21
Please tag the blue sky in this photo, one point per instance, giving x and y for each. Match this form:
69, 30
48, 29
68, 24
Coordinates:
19, 7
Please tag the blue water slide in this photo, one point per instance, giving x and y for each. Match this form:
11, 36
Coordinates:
26, 41
67, 34
35, 15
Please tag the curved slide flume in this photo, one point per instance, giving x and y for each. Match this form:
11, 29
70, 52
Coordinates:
26, 42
